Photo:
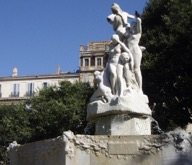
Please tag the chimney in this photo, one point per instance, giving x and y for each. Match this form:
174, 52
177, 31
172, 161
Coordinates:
58, 69
15, 72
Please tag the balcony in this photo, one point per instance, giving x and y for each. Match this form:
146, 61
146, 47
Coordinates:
14, 94
30, 93
95, 46
91, 68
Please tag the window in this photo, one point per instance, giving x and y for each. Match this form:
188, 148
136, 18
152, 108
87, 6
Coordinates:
15, 92
92, 61
45, 85
98, 61
86, 62
30, 89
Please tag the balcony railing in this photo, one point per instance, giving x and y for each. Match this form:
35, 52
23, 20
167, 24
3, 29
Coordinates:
29, 93
95, 47
91, 68
14, 94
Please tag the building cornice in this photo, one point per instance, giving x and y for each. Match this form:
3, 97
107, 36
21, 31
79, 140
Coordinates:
36, 77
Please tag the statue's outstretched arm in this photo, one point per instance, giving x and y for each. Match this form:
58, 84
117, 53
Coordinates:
130, 16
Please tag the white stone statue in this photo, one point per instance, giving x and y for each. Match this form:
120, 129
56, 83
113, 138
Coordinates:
119, 62
127, 62
123, 66
119, 87
130, 36
102, 92
112, 66
119, 20
134, 36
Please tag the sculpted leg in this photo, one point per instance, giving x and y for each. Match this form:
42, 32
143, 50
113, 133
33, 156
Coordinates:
127, 74
119, 80
137, 64
138, 77
113, 78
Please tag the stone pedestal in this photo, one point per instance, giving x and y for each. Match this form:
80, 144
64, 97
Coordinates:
128, 115
123, 125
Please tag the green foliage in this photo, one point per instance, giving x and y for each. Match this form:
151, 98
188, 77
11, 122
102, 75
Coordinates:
167, 35
58, 109
14, 125
54, 110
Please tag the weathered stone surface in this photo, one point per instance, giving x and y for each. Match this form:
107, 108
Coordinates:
47, 152
134, 103
122, 148
122, 125
121, 116
71, 149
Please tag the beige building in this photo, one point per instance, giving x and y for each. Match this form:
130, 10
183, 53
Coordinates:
17, 88
92, 57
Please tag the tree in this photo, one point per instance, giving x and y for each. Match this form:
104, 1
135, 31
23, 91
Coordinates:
54, 110
58, 109
167, 35
14, 126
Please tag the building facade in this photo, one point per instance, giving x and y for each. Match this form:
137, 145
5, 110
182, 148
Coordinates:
18, 88
14, 89
92, 57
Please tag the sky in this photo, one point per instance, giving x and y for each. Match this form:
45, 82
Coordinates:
38, 35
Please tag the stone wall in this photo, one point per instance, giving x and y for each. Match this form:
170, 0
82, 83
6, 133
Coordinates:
47, 152
174, 148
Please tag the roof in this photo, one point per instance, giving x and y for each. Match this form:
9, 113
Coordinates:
41, 76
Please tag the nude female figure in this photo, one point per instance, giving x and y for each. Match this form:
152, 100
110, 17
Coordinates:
125, 65
133, 44
115, 64
114, 54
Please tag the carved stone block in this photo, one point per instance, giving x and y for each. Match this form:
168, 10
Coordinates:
123, 125
123, 148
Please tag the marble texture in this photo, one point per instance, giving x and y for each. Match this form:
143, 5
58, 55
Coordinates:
122, 125
119, 86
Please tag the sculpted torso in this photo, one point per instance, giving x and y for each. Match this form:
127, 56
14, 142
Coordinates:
114, 53
133, 44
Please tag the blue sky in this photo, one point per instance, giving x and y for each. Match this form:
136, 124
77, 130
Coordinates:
37, 35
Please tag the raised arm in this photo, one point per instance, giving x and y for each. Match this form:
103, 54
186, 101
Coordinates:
115, 38
138, 25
